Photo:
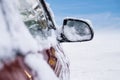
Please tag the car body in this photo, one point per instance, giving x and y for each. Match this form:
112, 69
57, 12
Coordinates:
35, 40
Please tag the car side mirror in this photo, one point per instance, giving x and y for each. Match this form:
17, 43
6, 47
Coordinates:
75, 30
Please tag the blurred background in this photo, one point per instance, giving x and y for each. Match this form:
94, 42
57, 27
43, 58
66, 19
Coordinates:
98, 59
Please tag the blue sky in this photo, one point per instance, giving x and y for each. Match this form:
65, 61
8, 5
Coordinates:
102, 13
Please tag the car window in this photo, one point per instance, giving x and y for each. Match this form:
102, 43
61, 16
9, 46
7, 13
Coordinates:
36, 18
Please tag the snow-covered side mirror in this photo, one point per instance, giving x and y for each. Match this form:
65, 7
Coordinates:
75, 30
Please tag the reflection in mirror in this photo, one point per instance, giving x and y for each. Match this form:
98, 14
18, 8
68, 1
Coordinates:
77, 30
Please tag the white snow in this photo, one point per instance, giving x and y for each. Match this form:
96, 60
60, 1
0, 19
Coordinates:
47, 42
15, 37
44, 72
98, 59
83, 19
5, 41
71, 34
72, 31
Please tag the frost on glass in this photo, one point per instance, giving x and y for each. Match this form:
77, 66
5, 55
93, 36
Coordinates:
77, 31
37, 20
35, 17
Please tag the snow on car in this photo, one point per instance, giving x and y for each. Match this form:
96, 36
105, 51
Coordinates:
30, 43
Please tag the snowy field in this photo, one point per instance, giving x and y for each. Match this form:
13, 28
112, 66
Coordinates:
98, 59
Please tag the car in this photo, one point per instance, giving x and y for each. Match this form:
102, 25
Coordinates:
30, 41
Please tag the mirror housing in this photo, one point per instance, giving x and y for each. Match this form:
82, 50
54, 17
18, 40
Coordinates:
75, 30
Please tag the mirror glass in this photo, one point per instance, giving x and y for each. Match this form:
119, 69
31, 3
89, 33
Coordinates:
77, 30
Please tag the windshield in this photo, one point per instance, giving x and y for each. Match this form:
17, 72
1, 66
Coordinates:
36, 16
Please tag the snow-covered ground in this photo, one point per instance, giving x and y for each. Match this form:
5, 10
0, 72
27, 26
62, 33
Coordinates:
98, 59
